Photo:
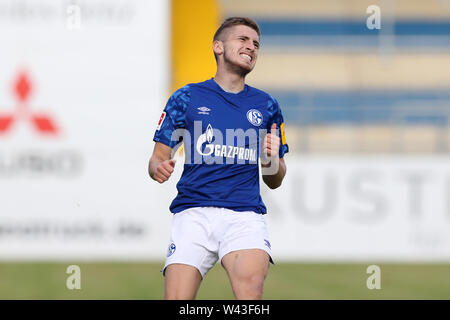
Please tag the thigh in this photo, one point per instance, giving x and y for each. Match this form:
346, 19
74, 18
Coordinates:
181, 282
247, 270
245, 253
247, 262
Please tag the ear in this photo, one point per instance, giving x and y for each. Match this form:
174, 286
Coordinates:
218, 47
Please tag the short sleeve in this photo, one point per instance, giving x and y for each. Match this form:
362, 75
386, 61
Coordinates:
275, 116
173, 117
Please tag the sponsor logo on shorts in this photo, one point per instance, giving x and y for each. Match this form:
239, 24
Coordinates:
171, 249
267, 243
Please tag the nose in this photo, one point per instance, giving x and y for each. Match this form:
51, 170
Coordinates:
250, 45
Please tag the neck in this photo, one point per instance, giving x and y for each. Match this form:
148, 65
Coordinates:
230, 82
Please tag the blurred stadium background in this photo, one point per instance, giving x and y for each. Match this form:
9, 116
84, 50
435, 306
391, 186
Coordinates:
82, 85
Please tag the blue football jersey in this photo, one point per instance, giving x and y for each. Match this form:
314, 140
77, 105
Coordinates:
223, 134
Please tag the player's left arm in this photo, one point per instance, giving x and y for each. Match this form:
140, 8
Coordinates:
273, 167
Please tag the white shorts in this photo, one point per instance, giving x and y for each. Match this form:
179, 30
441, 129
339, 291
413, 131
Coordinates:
203, 235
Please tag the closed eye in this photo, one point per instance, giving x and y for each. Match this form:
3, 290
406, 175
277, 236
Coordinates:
255, 43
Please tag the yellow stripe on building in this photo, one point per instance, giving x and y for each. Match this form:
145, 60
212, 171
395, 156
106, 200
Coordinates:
193, 26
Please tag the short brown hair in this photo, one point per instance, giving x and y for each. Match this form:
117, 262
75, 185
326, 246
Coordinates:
236, 21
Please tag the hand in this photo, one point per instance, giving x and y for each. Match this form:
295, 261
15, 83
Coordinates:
164, 170
271, 145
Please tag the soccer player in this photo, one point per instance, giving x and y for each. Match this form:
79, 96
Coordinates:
226, 127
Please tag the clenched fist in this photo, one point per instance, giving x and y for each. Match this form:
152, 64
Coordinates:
164, 170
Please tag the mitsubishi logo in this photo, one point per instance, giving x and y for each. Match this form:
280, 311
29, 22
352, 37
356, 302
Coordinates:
41, 122
30, 159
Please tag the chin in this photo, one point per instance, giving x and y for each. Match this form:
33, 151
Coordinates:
245, 68
239, 67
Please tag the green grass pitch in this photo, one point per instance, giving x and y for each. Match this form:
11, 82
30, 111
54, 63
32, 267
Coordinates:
285, 281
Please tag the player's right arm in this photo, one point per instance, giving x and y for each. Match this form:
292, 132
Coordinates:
161, 166
173, 118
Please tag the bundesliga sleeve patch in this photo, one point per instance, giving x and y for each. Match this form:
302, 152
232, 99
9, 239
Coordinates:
161, 120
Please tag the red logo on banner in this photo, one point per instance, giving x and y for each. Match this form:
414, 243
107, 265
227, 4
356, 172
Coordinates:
41, 122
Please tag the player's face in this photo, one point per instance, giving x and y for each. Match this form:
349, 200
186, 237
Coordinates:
241, 48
